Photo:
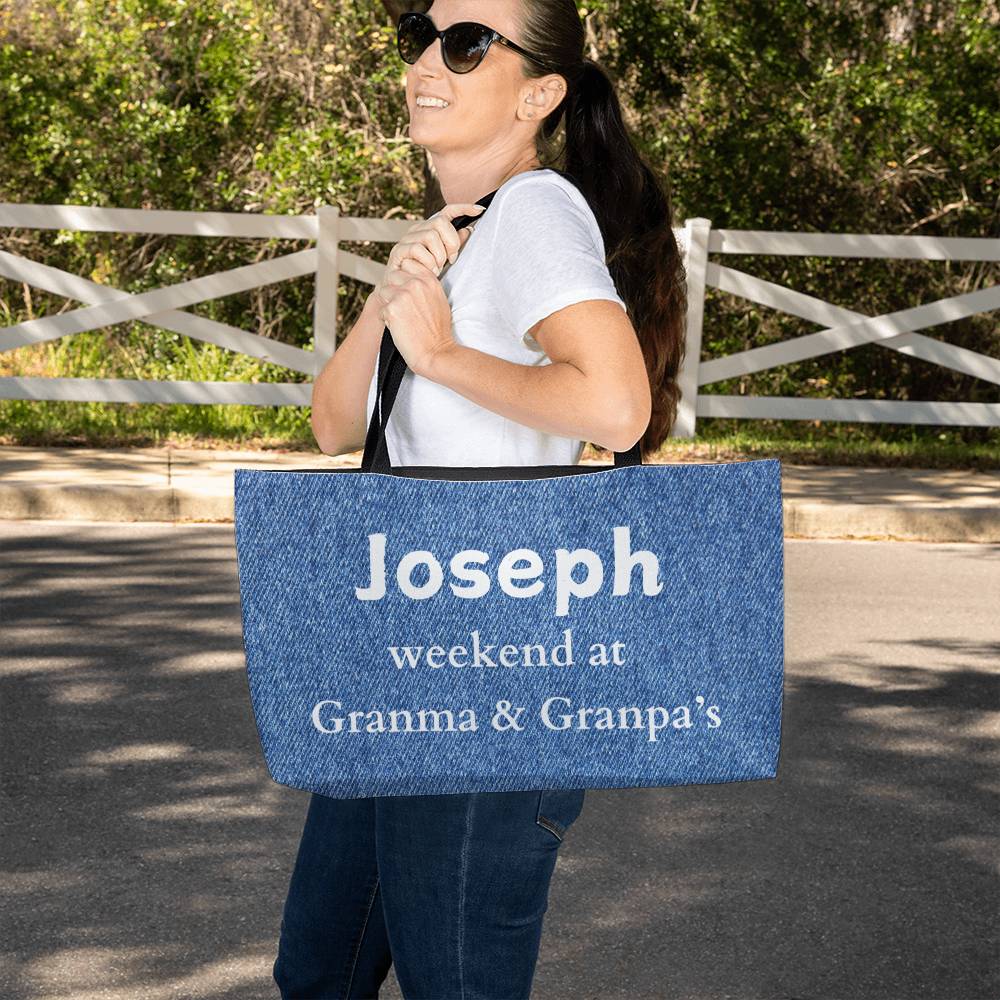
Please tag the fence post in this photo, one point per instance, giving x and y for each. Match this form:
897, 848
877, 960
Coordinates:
695, 263
327, 285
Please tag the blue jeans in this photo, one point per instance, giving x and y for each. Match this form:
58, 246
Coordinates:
451, 889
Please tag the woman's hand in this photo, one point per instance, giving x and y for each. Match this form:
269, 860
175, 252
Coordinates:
432, 242
417, 312
411, 300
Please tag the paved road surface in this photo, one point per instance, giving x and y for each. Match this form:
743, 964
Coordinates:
147, 852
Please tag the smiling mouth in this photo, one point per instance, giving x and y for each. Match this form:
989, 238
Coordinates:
430, 107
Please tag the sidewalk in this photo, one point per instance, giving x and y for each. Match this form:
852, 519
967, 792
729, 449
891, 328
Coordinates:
189, 485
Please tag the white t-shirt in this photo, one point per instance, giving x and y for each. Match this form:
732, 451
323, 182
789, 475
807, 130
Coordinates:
536, 249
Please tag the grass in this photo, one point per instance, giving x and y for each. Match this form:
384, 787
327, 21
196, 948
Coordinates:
128, 425
161, 355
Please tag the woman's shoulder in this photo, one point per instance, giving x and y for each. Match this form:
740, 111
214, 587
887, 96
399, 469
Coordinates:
543, 198
539, 186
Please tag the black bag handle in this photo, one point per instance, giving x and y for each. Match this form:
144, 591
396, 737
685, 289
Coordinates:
392, 367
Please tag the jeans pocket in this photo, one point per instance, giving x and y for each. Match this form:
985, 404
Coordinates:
558, 808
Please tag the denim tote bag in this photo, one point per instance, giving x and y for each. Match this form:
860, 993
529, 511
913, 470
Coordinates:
426, 630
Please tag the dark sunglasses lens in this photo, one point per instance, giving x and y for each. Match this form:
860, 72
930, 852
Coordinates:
414, 34
464, 46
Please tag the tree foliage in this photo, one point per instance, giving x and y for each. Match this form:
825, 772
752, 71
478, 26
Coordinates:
862, 116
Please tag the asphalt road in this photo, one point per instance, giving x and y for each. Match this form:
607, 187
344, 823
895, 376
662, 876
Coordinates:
146, 852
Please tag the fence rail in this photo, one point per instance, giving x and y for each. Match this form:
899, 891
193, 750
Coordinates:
840, 327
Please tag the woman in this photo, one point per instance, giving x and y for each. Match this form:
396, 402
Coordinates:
554, 319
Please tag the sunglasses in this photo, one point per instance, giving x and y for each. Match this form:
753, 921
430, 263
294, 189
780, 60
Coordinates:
463, 45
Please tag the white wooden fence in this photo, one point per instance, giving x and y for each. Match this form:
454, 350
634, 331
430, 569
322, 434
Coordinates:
840, 326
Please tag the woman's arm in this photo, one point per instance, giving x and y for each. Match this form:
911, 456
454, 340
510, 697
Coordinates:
340, 392
596, 388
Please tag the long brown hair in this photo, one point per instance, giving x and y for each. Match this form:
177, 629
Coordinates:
630, 202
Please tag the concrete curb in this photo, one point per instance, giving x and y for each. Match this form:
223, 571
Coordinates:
801, 520
53, 502
189, 486
896, 523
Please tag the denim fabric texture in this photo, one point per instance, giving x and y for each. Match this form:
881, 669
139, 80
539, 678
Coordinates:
451, 890
691, 694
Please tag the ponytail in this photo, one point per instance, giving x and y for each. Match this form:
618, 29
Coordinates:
628, 199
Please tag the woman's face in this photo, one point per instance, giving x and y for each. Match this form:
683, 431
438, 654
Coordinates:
485, 106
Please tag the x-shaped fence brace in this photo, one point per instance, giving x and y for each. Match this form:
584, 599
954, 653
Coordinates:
164, 308
843, 327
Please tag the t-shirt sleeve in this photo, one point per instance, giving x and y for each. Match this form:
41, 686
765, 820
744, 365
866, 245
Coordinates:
546, 256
